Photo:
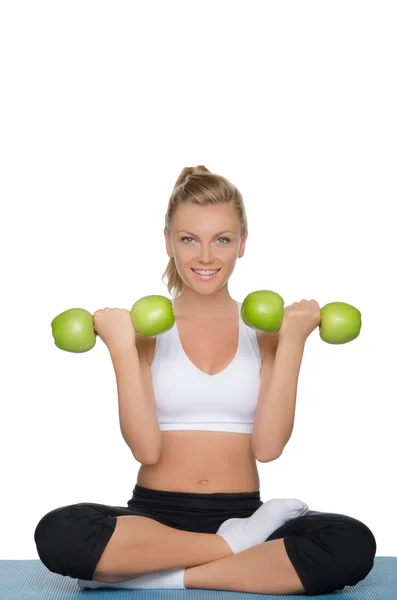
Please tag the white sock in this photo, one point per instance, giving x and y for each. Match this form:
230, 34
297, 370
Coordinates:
241, 534
171, 579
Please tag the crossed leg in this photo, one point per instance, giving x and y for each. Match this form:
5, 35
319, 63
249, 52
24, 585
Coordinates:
331, 551
209, 563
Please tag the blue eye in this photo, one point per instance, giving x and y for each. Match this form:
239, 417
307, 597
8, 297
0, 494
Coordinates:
190, 238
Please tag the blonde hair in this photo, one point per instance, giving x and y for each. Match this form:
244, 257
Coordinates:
197, 185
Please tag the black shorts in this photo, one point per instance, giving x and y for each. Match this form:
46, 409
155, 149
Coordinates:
327, 550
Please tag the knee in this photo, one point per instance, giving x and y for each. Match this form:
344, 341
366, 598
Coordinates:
65, 538
51, 538
354, 552
343, 551
359, 551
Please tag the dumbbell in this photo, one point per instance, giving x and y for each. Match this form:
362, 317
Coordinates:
263, 310
73, 330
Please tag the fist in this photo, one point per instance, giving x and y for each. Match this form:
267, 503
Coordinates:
114, 327
300, 319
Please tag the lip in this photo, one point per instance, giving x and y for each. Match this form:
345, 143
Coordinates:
206, 277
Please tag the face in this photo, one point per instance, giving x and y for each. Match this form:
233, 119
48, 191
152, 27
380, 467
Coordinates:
202, 238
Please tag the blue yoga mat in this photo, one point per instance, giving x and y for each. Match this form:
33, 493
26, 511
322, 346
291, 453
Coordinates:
31, 580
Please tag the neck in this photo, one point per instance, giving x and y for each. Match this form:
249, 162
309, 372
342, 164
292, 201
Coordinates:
190, 303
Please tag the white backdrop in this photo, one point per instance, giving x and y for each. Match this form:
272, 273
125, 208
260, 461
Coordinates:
103, 104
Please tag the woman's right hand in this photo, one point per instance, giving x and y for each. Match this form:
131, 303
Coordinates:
114, 326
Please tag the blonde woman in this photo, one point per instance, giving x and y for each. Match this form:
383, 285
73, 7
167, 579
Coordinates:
199, 405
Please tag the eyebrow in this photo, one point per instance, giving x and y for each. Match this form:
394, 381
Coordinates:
219, 232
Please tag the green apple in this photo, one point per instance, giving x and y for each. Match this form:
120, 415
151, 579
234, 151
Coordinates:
152, 315
263, 310
73, 330
340, 323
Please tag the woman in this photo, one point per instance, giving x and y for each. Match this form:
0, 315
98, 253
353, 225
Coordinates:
199, 405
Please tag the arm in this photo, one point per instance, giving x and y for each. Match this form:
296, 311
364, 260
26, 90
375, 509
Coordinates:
275, 412
137, 411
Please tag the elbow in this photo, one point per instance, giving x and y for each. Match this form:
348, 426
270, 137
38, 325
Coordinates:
146, 454
268, 457
149, 460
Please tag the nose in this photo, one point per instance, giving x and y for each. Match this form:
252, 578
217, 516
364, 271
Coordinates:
206, 254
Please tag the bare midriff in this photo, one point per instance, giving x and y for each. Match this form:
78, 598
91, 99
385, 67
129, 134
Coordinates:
204, 461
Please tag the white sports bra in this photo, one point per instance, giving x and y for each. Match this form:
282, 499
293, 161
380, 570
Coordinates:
188, 398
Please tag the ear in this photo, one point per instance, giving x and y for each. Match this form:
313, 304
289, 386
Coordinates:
242, 245
168, 244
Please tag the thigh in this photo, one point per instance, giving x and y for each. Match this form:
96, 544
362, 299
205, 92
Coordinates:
78, 518
328, 550
315, 522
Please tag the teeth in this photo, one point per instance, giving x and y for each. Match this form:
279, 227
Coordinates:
205, 272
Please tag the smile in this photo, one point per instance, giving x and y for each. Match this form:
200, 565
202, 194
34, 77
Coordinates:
205, 274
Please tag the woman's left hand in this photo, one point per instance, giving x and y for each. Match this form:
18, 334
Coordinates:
300, 319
